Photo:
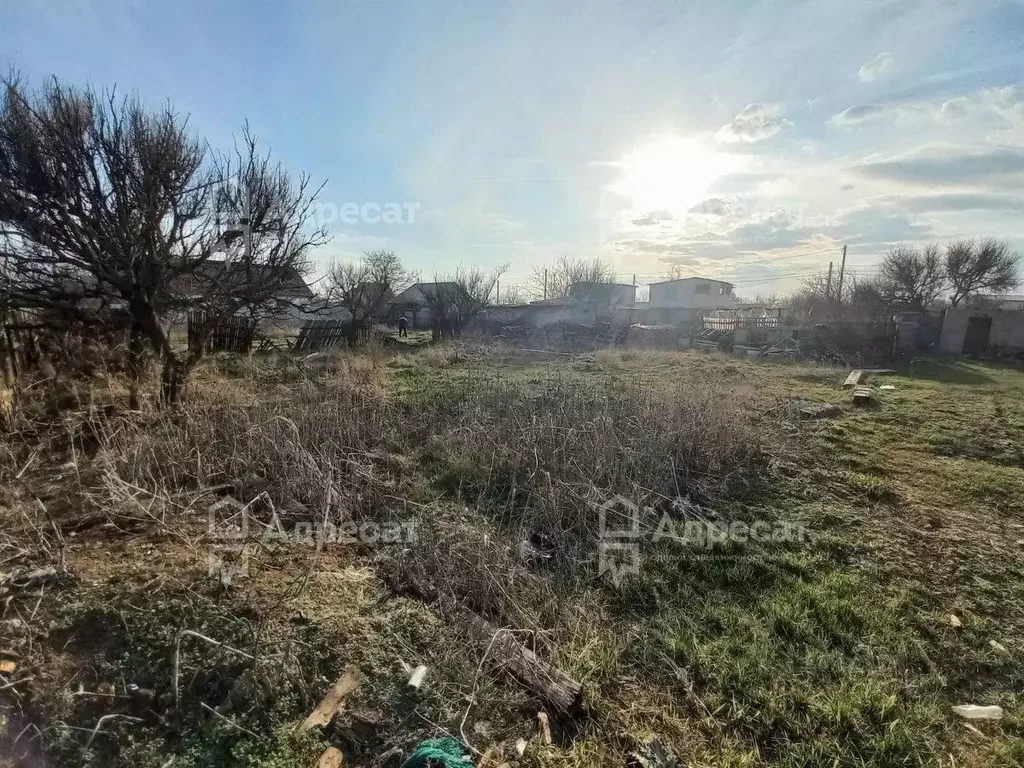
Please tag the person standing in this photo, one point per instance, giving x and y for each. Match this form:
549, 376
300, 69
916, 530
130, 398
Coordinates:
403, 327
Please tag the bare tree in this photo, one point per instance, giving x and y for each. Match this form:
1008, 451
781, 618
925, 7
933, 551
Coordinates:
364, 288
911, 278
864, 299
675, 272
986, 266
104, 204
816, 296
454, 300
554, 281
510, 295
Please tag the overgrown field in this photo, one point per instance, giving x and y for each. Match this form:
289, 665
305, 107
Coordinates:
732, 585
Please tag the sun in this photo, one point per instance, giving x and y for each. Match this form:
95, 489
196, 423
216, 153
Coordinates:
671, 174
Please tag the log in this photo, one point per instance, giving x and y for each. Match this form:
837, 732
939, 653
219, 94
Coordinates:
562, 693
334, 700
331, 758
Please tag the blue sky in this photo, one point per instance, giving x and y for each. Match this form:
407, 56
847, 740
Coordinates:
741, 140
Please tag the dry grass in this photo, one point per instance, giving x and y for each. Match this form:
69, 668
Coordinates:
747, 654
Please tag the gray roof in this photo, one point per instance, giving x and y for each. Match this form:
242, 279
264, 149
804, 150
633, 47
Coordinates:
702, 279
414, 293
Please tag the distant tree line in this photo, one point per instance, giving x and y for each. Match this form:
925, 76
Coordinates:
911, 278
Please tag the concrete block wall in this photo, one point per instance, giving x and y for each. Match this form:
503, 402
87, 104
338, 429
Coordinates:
1007, 334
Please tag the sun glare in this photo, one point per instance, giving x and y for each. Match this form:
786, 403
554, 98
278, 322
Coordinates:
671, 174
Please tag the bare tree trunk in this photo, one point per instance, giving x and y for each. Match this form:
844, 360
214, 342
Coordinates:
136, 364
172, 381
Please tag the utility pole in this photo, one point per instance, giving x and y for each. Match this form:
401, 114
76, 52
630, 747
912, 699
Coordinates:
828, 285
545, 283
842, 271
497, 293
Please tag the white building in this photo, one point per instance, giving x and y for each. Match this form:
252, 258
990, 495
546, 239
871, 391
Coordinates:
1001, 301
692, 293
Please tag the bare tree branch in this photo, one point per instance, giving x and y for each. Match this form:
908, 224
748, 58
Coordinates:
565, 272
105, 205
974, 267
364, 288
911, 278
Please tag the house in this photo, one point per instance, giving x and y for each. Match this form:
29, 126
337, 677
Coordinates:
692, 293
413, 304
677, 302
292, 301
603, 293
974, 330
375, 296
1004, 301
222, 274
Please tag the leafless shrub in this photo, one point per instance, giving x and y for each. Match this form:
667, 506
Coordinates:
549, 453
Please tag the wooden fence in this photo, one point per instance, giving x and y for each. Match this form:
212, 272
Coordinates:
235, 334
19, 347
732, 323
321, 334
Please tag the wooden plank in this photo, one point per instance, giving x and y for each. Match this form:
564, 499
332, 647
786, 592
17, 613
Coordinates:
855, 378
862, 395
334, 700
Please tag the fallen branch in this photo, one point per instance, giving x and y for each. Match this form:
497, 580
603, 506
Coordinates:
334, 700
552, 685
227, 720
103, 719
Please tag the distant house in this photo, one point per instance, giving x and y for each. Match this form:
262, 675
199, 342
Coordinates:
225, 274
412, 303
1001, 301
693, 293
292, 301
979, 329
686, 300
376, 296
603, 293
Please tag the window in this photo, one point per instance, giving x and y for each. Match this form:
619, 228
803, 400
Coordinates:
724, 289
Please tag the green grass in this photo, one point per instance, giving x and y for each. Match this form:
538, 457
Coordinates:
833, 649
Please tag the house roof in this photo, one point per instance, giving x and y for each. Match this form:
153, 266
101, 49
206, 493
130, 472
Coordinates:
292, 282
702, 279
602, 285
414, 293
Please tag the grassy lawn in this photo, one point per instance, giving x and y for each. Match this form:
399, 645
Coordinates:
828, 642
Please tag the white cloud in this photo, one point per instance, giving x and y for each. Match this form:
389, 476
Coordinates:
495, 222
1005, 105
755, 122
876, 68
951, 166
861, 113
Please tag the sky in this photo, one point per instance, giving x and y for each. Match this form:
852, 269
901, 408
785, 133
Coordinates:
743, 141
